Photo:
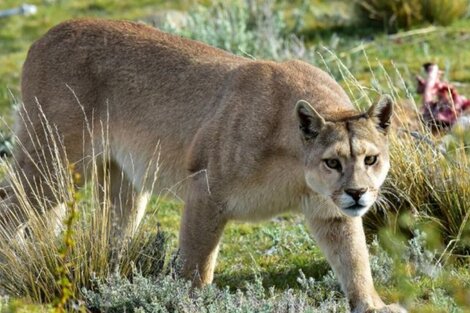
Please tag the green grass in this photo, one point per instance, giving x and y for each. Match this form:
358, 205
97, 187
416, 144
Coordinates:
277, 250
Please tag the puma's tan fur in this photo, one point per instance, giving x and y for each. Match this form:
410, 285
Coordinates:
232, 129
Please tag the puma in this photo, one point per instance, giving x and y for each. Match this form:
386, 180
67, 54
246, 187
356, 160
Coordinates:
249, 139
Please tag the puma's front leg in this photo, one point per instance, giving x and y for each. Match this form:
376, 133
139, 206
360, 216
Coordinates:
343, 241
201, 229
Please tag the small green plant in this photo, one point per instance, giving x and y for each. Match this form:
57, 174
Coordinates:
5, 146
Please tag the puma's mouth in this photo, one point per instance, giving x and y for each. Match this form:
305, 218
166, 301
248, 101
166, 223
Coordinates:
355, 210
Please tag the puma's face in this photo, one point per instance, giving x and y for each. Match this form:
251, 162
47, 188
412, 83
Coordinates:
346, 159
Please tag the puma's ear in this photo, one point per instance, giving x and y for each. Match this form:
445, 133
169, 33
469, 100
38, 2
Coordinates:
382, 112
310, 121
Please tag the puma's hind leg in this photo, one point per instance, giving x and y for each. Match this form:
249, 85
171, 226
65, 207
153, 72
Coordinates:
127, 204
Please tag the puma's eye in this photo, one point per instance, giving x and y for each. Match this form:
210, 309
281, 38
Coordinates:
333, 164
370, 160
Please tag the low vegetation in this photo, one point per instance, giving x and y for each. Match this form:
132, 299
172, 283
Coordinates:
419, 233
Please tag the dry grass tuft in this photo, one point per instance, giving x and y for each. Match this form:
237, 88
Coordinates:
49, 263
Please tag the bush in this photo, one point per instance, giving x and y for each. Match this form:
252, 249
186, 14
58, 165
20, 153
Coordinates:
249, 28
444, 12
167, 294
397, 14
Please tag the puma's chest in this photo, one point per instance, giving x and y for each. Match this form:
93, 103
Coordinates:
280, 190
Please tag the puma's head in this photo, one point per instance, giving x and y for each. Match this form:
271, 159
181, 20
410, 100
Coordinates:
346, 157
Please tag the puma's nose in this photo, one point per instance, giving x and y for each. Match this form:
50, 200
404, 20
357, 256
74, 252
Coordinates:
356, 193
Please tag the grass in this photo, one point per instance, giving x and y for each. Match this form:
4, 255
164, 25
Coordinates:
428, 270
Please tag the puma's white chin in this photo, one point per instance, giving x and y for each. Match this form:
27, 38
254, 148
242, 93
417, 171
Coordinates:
355, 210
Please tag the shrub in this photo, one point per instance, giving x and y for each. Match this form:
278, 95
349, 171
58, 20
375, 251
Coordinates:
167, 294
395, 14
250, 28
444, 12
